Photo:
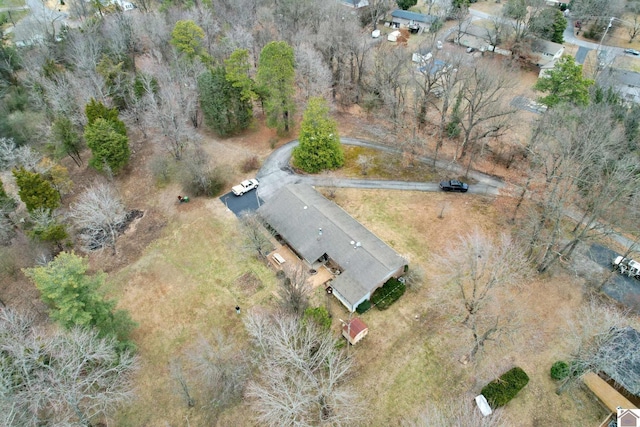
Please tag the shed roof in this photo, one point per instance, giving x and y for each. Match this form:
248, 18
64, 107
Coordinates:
354, 327
314, 226
413, 16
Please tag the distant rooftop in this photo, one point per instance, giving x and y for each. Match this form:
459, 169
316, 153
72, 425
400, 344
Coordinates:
413, 16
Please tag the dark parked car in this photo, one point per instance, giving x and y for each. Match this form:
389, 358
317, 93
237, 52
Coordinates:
454, 185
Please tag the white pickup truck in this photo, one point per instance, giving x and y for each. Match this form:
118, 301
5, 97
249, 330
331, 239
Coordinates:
245, 186
627, 266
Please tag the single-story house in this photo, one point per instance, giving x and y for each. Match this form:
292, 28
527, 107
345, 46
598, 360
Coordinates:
625, 82
319, 231
412, 20
354, 330
623, 372
545, 52
617, 385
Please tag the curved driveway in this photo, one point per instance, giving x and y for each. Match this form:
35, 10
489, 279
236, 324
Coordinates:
276, 173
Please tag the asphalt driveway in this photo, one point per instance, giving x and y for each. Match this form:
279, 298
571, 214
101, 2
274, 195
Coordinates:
248, 202
622, 288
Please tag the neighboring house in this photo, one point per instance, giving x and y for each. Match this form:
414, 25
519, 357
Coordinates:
354, 330
545, 53
625, 82
356, 4
319, 231
413, 21
422, 55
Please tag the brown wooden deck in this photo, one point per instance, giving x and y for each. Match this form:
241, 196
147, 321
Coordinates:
607, 394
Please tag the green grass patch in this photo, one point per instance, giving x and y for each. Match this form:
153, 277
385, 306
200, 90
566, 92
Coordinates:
11, 3
384, 166
389, 293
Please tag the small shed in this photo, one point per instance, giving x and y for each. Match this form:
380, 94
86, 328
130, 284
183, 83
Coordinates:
393, 36
354, 330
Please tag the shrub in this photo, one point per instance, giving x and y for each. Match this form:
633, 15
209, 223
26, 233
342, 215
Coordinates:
500, 391
161, 169
389, 293
251, 164
559, 370
318, 315
363, 307
209, 183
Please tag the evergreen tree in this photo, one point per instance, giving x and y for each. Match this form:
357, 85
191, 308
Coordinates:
224, 109
97, 110
67, 139
74, 297
564, 84
275, 79
406, 4
237, 68
108, 146
187, 38
319, 146
35, 190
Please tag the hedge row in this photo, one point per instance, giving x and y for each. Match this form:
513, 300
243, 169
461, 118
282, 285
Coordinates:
389, 293
500, 391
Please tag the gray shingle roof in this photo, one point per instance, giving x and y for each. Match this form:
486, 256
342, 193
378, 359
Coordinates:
624, 370
298, 212
413, 16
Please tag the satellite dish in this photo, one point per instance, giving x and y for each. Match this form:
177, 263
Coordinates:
353, 242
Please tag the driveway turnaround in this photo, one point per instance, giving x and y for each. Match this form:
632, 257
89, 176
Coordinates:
276, 173
248, 202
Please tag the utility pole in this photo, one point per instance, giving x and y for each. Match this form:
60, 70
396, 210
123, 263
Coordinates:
598, 51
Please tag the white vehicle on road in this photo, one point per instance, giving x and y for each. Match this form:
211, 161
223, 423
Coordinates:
245, 186
627, 266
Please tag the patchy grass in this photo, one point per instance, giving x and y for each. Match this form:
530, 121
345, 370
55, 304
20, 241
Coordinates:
384, 166
11, 3
186, 285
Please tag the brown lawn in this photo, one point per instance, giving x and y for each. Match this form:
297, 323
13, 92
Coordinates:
180, 272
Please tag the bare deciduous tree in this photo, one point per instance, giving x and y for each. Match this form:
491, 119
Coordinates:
314, 77
484, 112
365, 162
221, 368
301, 376
256, 237
600, 338
61, 378
475, 267
98, 215
294, 290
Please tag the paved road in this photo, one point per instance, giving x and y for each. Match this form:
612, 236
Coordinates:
30, 28
276, 173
